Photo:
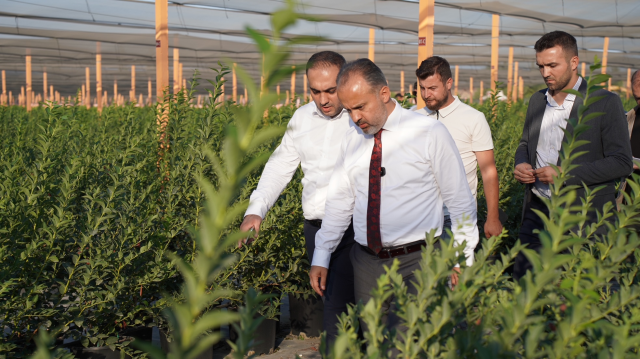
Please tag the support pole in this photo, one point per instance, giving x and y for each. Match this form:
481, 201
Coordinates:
235, 83
293, 83
182, 84
521, 89
514, 94
495, 34
471, 90
372, 44
115, 92
480, 98
133, 83
628, 82
28, 97
402, 83
44, 86
304, 85
455, 82
425, 37
176, 71
605, 55
583, 70
99, 77
87, 97
162, 47
510, 74
246, 96
149, 98
4, 88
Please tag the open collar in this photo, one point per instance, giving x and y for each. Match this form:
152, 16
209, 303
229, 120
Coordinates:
444, 112
570, 97
393, 121
317, 112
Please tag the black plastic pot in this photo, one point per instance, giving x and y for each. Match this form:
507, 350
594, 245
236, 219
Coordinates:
306, 315
264, 340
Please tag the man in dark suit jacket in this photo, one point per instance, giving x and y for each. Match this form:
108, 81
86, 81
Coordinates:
608, 154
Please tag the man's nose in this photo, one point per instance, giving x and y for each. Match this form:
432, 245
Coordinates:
324, 99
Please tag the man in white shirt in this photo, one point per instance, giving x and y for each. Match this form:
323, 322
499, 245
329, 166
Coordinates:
312, 140
469, 130
394, 172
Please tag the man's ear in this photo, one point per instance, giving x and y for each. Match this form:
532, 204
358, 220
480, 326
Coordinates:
574, 62
449, 84
385, 94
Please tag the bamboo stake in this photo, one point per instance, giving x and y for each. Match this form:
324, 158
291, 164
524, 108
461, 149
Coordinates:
28, 89
235, 83
83, 95
44, 85
510, 74
176, 71
425, 37
583, 69
628, 82
514, 94
521, 88
278, 91
402, 83
184, 83
372, 44
246, 96
21, 98
149, 98
471, 89
182, 79
133, 83
51, 93
140, 101
99, 77
293, 83
480, 98
162, 47
495, 34
4, 87
286, 100
115, 92
304, 85
455, 82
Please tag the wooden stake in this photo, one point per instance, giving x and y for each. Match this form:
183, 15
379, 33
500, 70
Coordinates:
510, 74
372, 44
115, 92
22, 98
246, 96
293, 83
514, 93
304, 85
4, 88
605, 55
29, 91
470, 89
495, 34
628, 82
583, 70
176, 71
44, 85
83, 95
286, 101
235, 83
425, 37
222, 97
184, 83
87, 99
480, 98
140, 101
162, 47
402, 83
278, 90
149, 99
133, 83
455, 82
521, 89
99, 76
51, 93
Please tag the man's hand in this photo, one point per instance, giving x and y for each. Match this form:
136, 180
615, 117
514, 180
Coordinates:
454, 277
524, 173
250, 222
492, 227
546, 174
318, 276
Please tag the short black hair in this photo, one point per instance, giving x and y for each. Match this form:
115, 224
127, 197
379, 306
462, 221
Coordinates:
325, 59
365, 68
558, 38
635, 78
434, 65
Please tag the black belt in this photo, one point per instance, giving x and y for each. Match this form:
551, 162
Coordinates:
398, 250
314, 222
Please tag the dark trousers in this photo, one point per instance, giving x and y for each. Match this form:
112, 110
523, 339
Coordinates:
530, 222
339, 285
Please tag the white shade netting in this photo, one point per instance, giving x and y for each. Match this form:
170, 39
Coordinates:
62, 37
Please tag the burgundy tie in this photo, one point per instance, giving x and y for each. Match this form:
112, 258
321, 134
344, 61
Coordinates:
374, 240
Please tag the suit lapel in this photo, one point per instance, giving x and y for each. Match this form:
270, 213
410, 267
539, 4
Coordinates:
536, 123
574, 111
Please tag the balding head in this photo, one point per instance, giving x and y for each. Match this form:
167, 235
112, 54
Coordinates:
365, 69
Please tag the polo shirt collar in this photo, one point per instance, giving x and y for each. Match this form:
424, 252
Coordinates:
444, 112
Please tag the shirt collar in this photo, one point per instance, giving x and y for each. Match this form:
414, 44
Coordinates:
317, 112
444, 112
570, 97
394, 118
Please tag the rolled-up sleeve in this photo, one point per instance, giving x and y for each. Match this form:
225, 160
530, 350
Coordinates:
337, 214
454, 189
277, 173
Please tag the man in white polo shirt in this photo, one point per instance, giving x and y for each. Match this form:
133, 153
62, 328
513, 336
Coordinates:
469, 130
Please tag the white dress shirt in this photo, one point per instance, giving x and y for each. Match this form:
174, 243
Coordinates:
554, 121
423, 171
312, 140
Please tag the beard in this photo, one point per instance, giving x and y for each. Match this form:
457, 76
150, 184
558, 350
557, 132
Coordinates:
560, 83
436, 104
